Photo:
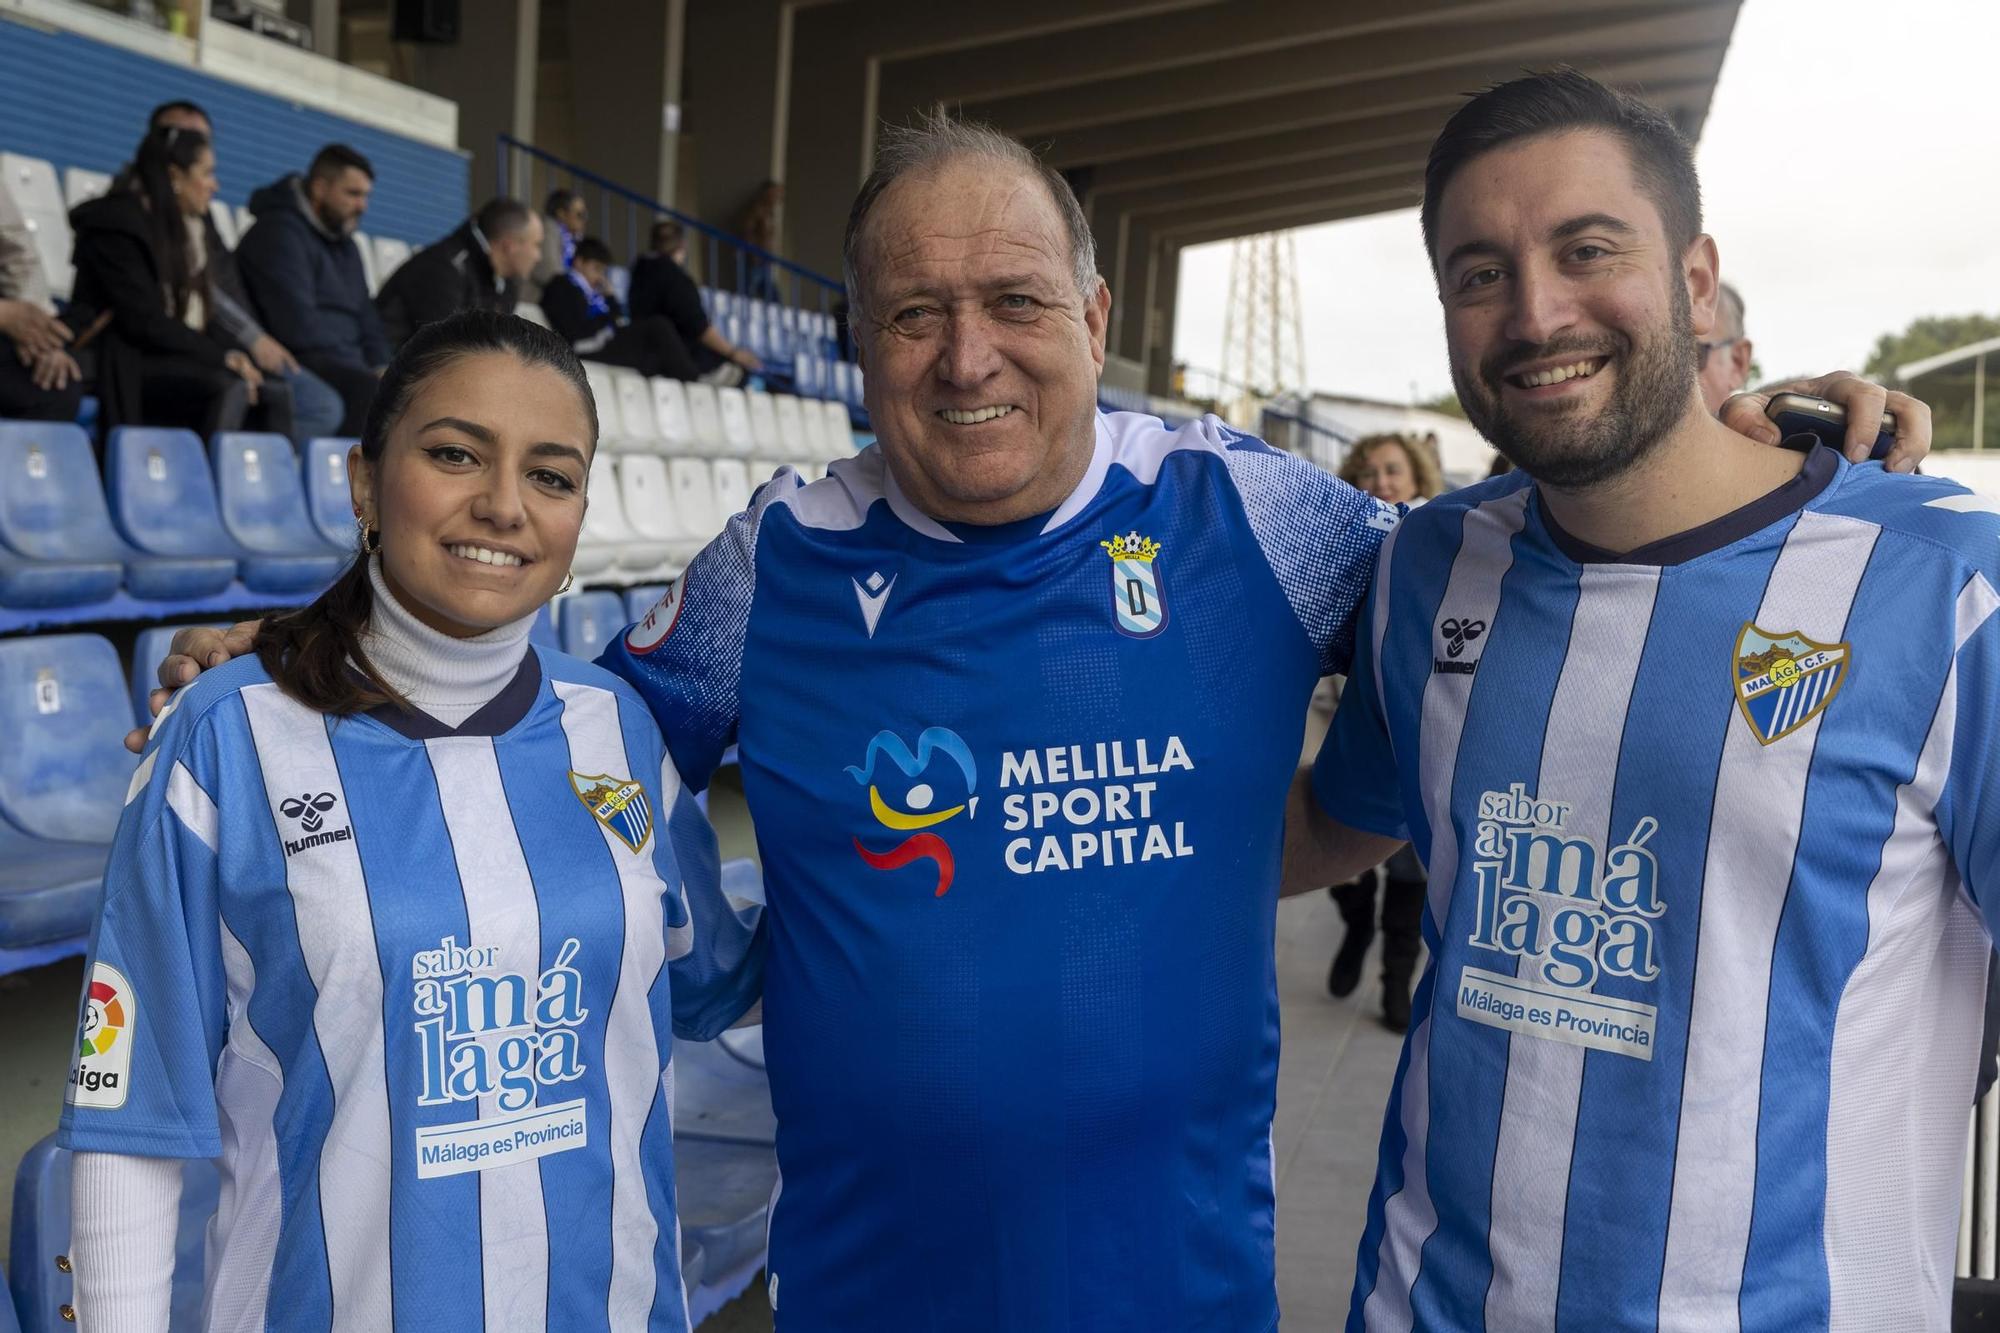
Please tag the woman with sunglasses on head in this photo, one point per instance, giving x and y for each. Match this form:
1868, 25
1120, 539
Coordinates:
402, 918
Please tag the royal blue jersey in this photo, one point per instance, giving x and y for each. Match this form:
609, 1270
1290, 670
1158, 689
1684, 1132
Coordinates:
1711, 831
415, 987
1019, 793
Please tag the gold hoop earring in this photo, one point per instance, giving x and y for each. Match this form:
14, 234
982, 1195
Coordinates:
371, 540
569, 581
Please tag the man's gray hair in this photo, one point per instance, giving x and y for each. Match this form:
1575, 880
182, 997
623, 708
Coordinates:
1729, 305
936, 138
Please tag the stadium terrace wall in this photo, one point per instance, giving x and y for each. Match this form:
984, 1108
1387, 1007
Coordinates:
82, 103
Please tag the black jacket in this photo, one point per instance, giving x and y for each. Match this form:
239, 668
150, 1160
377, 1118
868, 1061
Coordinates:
116, 275
308, 284
569, 314
439, 281
662, 287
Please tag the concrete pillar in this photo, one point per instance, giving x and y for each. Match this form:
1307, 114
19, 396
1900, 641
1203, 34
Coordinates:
831, 132
490, 73
738, 89
627, 57
1160, 328
1132, 291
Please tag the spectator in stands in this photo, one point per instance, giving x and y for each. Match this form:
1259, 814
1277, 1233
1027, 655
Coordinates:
375, 847
1399, 470
581, 306
661, 285
759, 225
1724, 356
303, 268
565, 215
481, 266
316, 408
142, 265
39, 377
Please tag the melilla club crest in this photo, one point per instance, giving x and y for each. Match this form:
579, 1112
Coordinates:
619, 805
1784, 681
1135, 585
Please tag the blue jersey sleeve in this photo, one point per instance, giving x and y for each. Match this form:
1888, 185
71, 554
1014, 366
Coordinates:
1968, 808
715, 947
1354, 776
155, 1003
1318, 535
686, 657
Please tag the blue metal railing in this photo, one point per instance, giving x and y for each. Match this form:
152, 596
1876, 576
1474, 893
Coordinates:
516, 164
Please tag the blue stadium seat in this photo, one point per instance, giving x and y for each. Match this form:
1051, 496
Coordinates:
42, 1231
327, 496
10, 1324
640, 600
162, 493
52, 512
63, 775
589, 619
264, 509
544, 635
147, 654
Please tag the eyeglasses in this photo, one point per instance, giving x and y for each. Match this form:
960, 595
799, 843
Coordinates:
1703, 349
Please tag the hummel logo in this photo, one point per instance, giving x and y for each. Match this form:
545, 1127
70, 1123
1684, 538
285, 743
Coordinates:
308, 809
1458, 633
873, 597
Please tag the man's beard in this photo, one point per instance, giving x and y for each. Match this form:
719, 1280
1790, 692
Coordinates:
339, 226
1569, 450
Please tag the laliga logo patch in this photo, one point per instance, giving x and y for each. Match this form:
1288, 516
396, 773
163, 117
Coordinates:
1136, 600
101, 1075
651, 632
1784, 681
921, 845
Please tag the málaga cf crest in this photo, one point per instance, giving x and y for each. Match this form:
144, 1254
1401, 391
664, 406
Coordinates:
1135, 585
619, 805
1783, 681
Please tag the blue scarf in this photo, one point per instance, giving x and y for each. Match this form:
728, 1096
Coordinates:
598, 305
568, 245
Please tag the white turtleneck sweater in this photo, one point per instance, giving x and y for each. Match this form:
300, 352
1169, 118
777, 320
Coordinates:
125, 1209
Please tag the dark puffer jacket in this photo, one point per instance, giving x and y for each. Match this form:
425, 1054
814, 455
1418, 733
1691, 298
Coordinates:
308, 283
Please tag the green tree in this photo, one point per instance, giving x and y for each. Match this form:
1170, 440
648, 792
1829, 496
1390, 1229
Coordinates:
1446, 403
1948, 391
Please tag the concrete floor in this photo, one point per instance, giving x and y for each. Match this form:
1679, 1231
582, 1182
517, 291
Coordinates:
1332, 1085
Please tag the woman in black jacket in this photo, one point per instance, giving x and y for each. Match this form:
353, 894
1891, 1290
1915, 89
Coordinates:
142, 260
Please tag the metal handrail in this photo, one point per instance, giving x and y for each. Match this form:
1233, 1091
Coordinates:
831, 289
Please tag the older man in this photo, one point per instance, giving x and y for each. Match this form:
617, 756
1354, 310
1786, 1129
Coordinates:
1723, 357
1698, 741
1017, 694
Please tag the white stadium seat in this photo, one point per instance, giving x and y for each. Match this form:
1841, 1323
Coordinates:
390, 255
792, 426
610, 425
764, 427
732, 485
735, 406
244, 220
31, 184
647, 495
635, 409
839, 430
81, 185
531, 312
671, 416
225, 222
694, 497
705, 409
366, 245
606, 526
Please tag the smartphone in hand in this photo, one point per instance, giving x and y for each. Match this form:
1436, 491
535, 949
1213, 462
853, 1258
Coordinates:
1798, 413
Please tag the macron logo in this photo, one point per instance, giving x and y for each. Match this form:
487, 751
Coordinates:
873, 596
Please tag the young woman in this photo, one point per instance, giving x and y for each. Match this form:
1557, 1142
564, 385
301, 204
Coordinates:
1400, 470
402, 917
142, 260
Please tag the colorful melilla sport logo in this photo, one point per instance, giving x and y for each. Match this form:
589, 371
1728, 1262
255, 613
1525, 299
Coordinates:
921, 845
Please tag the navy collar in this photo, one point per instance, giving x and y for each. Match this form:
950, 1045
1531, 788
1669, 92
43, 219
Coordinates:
497, 716
1821, 466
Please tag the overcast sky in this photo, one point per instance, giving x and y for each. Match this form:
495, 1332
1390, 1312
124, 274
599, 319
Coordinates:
1850, 171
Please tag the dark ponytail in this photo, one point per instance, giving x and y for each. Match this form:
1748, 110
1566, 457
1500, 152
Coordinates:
166, 227
314, 654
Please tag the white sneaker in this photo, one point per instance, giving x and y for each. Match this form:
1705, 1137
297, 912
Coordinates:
725, 376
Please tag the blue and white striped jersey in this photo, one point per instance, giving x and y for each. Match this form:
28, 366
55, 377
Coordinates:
1019, 792
1710, 831
417, 989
